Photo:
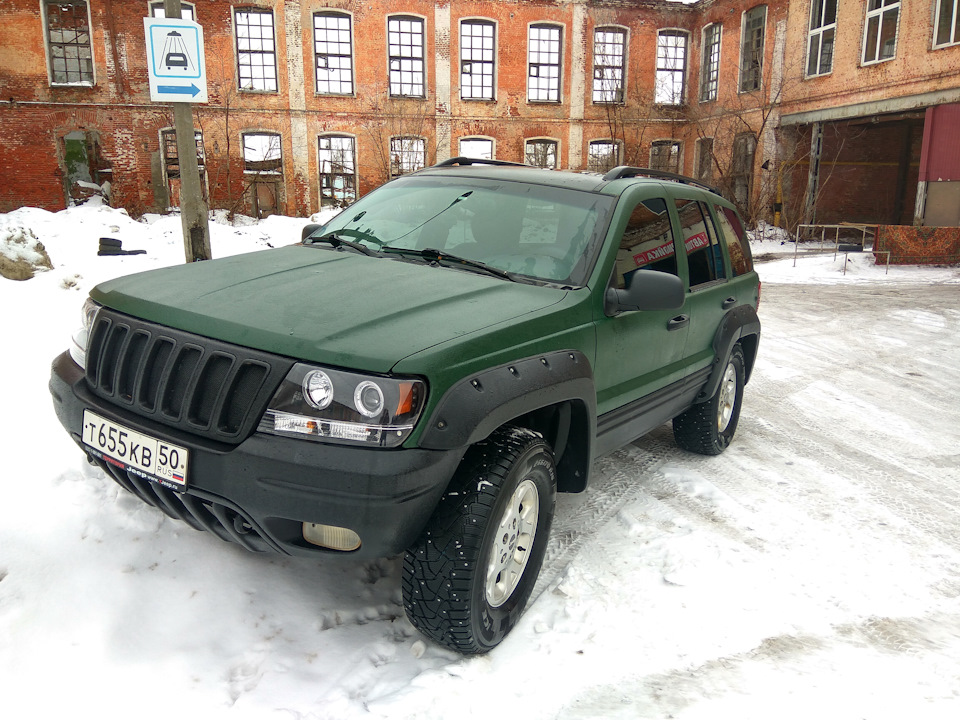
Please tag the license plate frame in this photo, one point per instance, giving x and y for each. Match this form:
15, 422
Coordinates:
149, 457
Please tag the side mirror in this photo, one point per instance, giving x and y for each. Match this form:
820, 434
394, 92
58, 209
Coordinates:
646, 290
309, 230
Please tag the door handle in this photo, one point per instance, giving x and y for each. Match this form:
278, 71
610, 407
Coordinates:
678, 322
728, 303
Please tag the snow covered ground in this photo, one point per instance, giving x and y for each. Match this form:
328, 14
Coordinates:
813, 570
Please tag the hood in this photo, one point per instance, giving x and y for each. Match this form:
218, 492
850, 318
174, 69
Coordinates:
325, 306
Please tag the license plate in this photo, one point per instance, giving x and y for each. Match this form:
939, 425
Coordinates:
149, 457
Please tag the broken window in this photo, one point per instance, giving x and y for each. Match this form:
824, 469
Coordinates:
751, 48
256, 50
671, 67
333, 53
481, 148
186, 11
705, 159
665, 155
541, 153
407, 155
710, 64
338, 170
823, 28
68, 41
603, 155
741, 170
609, 57
948, 23
880, 31
406, 47
262, 153
477, 49
544, 47
171, 163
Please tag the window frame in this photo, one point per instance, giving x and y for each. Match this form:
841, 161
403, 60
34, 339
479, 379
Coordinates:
49, 45
601, 93
422, 151
417, 65
153, 7
339, 15
544, 141
744, 84
672, 143
271, 173
878, 13
477, 139
954, 23
254, 53
531, 90
699, 149
657, 86
330, 199
818, 33
484, 94
615, 145
710, 64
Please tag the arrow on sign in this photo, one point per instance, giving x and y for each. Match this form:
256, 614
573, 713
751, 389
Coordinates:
191, 90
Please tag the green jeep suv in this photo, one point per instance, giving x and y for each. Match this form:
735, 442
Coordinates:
423, 374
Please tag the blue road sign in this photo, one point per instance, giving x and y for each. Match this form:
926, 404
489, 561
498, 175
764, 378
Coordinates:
175, 60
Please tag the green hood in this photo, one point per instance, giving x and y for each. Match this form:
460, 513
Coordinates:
325, 306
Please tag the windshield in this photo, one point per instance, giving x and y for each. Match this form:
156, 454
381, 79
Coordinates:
542, 232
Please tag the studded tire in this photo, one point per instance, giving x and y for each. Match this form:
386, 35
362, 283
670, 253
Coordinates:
708, 427
468, 578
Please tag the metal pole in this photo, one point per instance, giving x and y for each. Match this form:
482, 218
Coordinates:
193, 208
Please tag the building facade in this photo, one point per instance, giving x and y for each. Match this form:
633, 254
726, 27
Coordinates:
807, 110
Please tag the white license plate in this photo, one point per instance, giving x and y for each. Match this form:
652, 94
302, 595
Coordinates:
154, 459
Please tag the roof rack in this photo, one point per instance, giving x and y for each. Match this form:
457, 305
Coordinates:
625, 171
477, 161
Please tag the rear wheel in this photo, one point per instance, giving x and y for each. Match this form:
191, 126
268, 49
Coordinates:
467, 579
708, 427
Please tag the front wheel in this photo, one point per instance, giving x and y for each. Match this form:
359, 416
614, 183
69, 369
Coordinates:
467, 579
708, 427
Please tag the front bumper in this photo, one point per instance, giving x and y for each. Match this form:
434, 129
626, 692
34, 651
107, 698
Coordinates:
260, 492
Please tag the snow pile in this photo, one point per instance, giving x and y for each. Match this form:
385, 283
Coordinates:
21, 253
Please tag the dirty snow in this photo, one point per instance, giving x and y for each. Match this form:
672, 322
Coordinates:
813, 570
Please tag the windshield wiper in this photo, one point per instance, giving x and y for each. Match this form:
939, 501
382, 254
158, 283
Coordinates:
439, 257
335, 239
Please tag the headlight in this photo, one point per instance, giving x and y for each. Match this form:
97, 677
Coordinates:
338, 406
78, 343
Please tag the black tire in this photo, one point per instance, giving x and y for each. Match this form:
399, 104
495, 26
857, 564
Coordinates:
467, 579
708, 427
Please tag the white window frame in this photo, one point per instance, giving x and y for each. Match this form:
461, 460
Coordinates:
534, 140
48, 50
666, 93
402, 62
954, 31
336, 44
468, 58
710, 63
743, 77
478, 139
593, 165
877, 14
157, 11
610, 80
331, 199
256, 52
548, 94
817, 34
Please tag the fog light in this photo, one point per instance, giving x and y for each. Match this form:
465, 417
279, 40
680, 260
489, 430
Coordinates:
330, 536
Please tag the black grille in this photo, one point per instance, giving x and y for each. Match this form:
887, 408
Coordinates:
199, 513
202, 386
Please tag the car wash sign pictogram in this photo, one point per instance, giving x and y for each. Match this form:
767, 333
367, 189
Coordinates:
175, 60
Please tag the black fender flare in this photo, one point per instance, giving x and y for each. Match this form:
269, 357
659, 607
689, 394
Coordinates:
480, 403
740, 325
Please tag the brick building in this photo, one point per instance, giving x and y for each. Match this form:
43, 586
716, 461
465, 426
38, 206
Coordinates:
814, 108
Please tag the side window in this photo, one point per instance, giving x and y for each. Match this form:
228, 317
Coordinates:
647, 242
741, 260
704, 256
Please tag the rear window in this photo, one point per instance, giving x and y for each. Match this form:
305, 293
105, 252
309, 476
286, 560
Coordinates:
741, 260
